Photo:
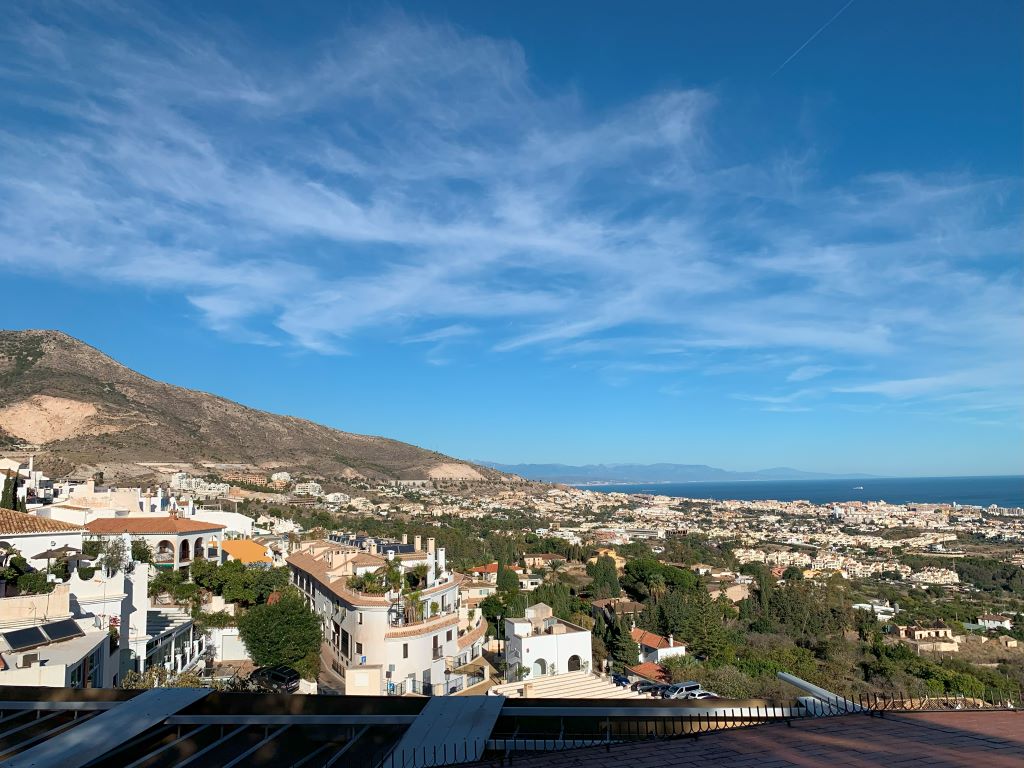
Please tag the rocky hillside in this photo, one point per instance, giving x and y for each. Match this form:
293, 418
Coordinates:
81, 409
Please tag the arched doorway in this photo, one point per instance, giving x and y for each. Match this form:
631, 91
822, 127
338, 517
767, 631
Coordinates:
197, 550
183, 555
540, 668
575, 663
164, 552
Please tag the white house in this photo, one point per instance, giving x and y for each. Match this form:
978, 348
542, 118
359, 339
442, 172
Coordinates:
655, 648
42, 643
32, 535
882, 610
543, 645
995, 621
175, 541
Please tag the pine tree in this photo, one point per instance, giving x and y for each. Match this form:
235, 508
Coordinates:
624, 648
703, 627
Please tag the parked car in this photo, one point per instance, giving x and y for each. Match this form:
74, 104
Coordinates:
280, 679
646, 686
682, 690
703, 695
621, 680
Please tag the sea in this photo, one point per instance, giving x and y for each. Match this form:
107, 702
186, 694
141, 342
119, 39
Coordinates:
1003, 490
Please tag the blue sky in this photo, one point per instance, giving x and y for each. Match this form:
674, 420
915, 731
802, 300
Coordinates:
540, 232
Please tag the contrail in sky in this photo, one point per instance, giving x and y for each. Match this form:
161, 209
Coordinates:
810, 39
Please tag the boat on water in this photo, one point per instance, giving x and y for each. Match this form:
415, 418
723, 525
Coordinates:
858, 487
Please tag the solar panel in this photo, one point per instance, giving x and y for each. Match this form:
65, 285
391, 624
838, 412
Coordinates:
62, 630
20, 639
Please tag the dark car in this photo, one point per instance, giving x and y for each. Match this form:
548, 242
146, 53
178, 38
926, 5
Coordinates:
647, 686
280, 679
621, 680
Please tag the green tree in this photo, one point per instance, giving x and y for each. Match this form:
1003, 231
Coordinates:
605, 578
141, 553
285, 632
703, 628
624, 649
7, 498
34, 583
680, 668
508, 581
793, 573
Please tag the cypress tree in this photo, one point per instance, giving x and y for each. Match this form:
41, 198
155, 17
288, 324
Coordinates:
7, 498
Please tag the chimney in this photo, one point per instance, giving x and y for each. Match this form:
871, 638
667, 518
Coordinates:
405, 538
391, 555
431, 570
441, 559
431, 543
671, 641
417, 543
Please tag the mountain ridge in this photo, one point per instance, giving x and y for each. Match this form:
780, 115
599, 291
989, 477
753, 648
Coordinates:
80, 408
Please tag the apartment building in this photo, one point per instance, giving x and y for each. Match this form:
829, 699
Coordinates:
309, 488
397, 639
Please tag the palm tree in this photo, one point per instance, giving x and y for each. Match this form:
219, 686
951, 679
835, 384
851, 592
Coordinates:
657, 588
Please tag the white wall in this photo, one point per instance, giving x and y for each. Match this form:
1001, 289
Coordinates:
228, 645
36, 543
555, 650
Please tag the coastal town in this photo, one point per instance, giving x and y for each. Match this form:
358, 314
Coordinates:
452, 586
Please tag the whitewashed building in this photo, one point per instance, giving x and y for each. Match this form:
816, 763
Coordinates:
542, 644
394, 643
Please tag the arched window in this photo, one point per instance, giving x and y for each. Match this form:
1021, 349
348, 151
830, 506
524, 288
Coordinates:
184, 554
197, 550
540, 668
575, 663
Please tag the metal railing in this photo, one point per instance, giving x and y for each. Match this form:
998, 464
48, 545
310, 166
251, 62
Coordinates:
549, 725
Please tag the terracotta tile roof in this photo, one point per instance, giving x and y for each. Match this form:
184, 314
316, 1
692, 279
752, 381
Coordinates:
649, 639
246, 551
651, 671
433, 624
993, 739
318, 570
364, 558
14, 522
143, 525
493, 568
473, 635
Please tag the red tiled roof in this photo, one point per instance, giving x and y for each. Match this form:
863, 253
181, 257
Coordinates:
993, 739
154, 525
13, 522
493, 568
473, 635
649, 639
651, 671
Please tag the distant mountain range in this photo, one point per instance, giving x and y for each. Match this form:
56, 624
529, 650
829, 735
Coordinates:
652, 473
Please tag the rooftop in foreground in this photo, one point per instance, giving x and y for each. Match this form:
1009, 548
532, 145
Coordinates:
76, 728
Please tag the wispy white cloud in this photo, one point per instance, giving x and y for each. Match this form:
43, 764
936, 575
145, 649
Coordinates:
409, 179
808, 372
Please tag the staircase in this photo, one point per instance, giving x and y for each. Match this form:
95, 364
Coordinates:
571, 685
